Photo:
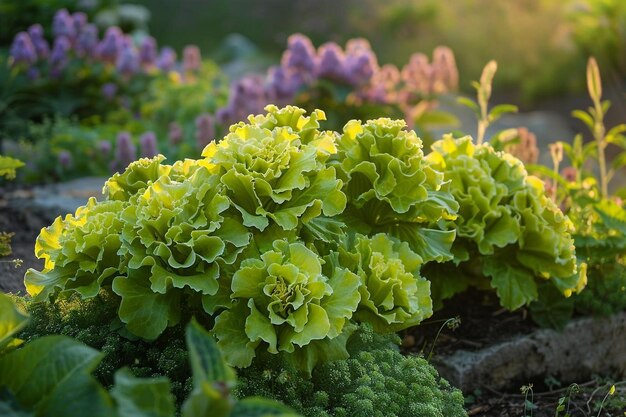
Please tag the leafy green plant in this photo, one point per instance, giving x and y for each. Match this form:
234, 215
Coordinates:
258, 234
8, 166
599, 218
50, 376
509, 234
377, 380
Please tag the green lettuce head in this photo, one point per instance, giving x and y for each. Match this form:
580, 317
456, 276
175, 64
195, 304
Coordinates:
176, 236
391, 188
393, 294
284, 303
273, 169
80, 252
507, 228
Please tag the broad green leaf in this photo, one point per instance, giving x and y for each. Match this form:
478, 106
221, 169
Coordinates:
514, 285
146, 313
497, 111
208, 400
12, 319
434, 118
51, 375
205, 357
142, 397
469, 103
584, 117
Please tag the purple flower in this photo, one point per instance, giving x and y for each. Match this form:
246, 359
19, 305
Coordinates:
148, 51
65, 159
417, 74
224, 116
125, 152
109, 90
63, 25
283, 85
39, 42
191, 58
111, 45
35, 31
148, 144
300, 54
361, 62
205, 130
166, 60
247, 96
445, 71
128, 61
23, 50
33, 73
79, 20
175, 133
58, 57
87, 42
331, 62
104, 147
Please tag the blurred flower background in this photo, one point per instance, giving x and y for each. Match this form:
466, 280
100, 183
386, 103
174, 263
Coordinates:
87, 85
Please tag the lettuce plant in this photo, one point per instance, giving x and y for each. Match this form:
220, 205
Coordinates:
286, 236
273, 169
284, 301
392, 189
393, 294
509, 233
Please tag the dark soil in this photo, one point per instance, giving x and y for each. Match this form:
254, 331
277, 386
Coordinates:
25, 229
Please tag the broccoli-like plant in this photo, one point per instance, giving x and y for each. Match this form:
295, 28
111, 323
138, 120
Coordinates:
377, 380
509, 233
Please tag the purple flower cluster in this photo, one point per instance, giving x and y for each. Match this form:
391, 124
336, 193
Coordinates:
205, 130
125, 152
74, 36
302, 66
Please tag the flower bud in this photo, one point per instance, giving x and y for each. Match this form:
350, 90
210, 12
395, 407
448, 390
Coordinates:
63, 25
148, 144
300, 54
87, 42
148, 51
111, 45
42, 48
331, 62
22, 50
205, 130
191, 58
125, 152
127, 61
175, 133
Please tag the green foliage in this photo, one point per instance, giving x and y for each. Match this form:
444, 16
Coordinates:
375, 381
87, 321
50, 376
508, 230
393, 295
259, 234
8, 166
12, 320
392, 189
287, 303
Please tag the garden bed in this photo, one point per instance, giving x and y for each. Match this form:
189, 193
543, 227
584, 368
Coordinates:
489, 354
